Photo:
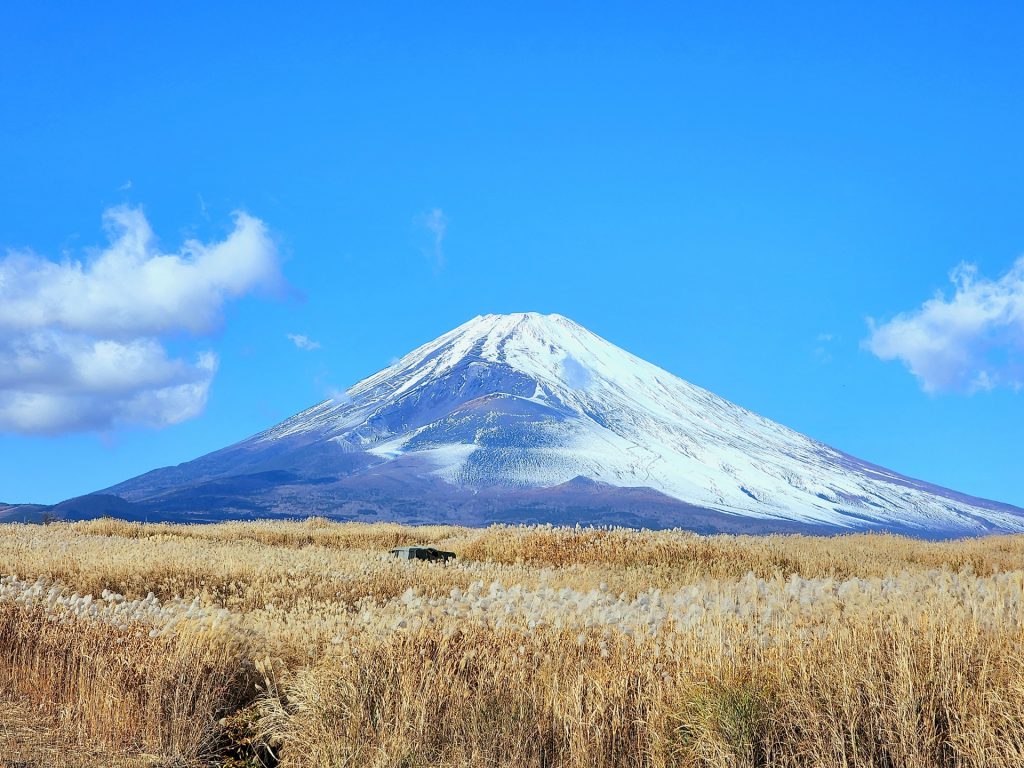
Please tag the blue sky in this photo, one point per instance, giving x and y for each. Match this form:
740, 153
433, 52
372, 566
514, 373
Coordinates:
726, 191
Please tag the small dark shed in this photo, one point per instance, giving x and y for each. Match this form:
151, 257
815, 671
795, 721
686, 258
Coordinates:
422, 553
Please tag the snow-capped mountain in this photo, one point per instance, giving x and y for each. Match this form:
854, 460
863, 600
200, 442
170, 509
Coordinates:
529, 416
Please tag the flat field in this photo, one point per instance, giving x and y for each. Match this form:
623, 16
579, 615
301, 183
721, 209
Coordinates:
306, 644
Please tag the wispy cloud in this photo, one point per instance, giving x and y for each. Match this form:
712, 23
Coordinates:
822, 351
126, 186
303, 342
339, 396
576, 374
436, 223
81, 341
972, 341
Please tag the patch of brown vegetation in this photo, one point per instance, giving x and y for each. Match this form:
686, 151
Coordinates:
539, 647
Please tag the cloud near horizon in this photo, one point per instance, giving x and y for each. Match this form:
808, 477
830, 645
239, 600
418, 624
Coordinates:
970, 342
81, 341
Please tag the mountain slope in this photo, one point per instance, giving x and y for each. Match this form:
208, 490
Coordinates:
506, 415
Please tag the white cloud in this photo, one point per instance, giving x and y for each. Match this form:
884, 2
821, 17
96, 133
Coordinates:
970, 342
303, 342
339, 396
80, 341
56, 383
130, 288
821, 350
436, 224
576, 374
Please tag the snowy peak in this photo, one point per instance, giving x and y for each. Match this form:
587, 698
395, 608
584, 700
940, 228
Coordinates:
548, 348
537, 403
546, 359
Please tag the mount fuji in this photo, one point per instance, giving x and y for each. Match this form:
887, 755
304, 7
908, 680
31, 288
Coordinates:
533, 418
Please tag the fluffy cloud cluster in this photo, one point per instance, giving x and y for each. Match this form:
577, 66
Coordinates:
81, 341
972, 341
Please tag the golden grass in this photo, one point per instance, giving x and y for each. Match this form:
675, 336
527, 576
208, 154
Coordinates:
538, 647
30, 739
121, 691
878, 697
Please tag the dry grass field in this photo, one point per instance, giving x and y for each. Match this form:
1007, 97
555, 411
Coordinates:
306, 644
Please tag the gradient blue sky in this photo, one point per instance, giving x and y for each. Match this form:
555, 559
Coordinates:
727, 191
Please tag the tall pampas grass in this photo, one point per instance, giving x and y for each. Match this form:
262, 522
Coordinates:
306, 644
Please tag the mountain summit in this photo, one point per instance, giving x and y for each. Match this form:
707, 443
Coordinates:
531, 417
